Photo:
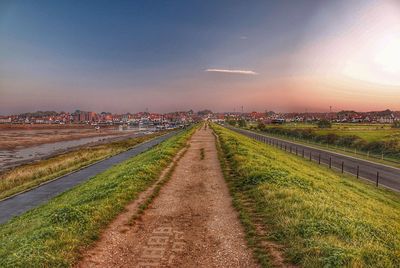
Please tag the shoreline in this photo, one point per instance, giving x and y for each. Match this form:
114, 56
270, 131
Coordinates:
108, 138
14, 139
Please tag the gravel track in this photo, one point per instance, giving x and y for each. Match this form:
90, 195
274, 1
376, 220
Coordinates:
191, 223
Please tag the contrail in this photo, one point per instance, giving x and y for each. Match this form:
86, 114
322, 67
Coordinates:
249, 72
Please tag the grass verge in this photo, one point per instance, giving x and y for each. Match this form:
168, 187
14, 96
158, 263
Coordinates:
52, 235
28, 176
336, 149
254, 240
313, 216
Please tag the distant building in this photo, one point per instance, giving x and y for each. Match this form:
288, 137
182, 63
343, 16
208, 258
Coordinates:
278, 121
84, 117
5, 119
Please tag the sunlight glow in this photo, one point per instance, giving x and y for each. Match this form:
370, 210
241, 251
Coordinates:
376, 46
388, 56
364, 48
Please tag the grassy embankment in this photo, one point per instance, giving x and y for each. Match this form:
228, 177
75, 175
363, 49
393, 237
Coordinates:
320, 218
337, 149
30, 175
52, 235
379, 142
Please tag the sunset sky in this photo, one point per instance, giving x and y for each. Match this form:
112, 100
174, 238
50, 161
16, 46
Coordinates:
126, 56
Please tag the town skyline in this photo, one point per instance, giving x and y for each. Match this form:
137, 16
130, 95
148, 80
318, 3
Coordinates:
268, 116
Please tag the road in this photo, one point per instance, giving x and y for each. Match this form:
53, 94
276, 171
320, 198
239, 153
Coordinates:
387, 176
23, 202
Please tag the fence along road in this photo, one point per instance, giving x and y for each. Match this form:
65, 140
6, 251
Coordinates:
379, 174
18, 204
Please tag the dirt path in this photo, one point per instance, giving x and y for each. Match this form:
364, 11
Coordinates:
190, 224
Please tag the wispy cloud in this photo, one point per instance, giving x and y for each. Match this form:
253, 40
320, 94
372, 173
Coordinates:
228, 71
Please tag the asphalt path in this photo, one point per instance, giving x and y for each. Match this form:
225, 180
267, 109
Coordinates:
18, 204
379, 174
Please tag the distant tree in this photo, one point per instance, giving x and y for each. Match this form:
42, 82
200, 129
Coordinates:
242, 123
396, 124
261, 126
232, 122
324, 124
204, 112
39, 114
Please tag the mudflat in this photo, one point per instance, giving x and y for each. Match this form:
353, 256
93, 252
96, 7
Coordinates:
19, 137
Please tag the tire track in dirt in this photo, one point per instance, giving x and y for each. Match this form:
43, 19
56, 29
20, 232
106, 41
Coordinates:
190, 224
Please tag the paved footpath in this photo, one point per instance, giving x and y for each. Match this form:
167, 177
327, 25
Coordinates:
21, 203
190, 224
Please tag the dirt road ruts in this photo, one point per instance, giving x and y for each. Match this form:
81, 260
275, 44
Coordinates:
190, 224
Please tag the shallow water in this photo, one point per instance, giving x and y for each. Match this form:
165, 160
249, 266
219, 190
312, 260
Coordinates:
10, 158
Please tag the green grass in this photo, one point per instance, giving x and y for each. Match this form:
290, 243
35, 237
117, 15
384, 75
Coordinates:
378, 141
54, 234
30, 175
368, 132
341, 150
365, 134
320, 217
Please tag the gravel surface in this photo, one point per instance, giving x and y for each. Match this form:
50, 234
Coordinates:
190, 224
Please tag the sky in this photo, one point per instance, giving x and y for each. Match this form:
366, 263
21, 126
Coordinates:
129, 56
